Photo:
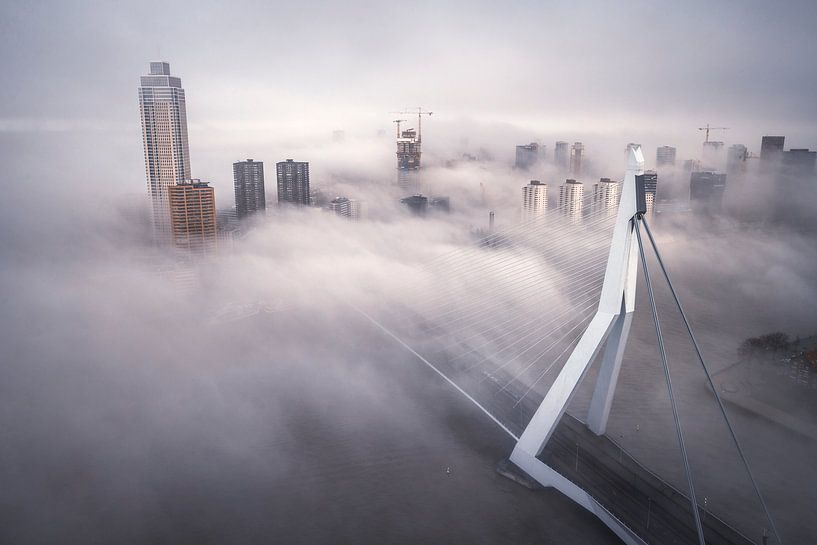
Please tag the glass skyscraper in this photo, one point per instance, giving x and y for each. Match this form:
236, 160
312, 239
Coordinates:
164, 134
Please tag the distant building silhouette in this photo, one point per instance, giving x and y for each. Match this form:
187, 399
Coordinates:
799, 162
771, 147
706, 189
417, 204
248, 183
440, 204
712, 156
665, 156
347, 208
293, 182
576, 152
736, 157
561, 155
527, 156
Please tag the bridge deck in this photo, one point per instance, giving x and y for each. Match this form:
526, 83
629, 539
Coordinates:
649, 506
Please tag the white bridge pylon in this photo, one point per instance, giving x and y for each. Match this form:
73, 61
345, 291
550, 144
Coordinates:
611, 324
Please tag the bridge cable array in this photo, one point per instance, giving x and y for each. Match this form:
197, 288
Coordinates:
501, 314
705, 368
494, 318
687, 471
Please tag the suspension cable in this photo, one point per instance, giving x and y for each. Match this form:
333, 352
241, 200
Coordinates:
712, 384
665, 364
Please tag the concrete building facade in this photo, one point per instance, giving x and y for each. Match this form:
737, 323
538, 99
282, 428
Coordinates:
293, 182
193, 217
248, 185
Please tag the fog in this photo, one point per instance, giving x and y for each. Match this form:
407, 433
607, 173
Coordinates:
136, 405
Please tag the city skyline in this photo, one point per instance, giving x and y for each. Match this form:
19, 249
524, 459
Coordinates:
164, 122
270, 121
337, 273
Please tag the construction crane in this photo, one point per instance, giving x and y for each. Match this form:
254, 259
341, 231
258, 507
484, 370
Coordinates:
708, 128
420, 113
398, 121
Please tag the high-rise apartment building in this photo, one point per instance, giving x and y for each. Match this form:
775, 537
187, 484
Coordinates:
193, 216
561, 155
576, 152
164, 136
534, 200
527, 156
606, 194
665, 156
248, 183
771, 147
293, 182
571, 199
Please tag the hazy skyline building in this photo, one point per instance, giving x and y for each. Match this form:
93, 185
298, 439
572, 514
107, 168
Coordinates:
736, 157
706, 189
293, 182
561, 155
771, 147
163, 112
347, 208
606, 194
712, 155
692, 165
534, 200
576, 153
193, 217
527, 156
440, 204
571, 199
665, 156
801, 158
417, 204
248, 184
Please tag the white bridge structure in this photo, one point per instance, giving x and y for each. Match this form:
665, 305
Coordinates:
557, 293
610, 326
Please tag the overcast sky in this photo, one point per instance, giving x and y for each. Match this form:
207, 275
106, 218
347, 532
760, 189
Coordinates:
263, 77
